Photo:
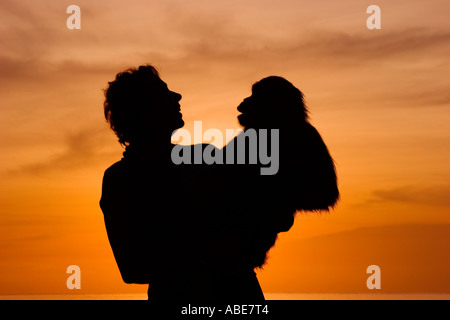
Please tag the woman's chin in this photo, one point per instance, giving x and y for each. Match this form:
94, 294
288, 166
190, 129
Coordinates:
241, 120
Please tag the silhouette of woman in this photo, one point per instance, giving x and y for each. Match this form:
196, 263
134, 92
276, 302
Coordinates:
265, 205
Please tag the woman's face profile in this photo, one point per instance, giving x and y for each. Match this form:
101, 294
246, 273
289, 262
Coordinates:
252, 110
245, 108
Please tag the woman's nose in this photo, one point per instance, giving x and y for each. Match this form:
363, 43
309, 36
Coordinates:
243, 106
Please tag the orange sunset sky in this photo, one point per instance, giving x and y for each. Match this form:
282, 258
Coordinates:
380, 99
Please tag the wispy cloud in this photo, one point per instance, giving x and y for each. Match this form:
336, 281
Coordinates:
82, 150
437, 195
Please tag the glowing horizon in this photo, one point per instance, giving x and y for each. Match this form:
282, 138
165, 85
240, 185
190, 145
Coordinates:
379, 98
